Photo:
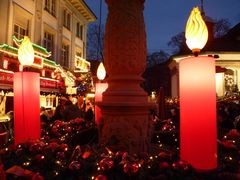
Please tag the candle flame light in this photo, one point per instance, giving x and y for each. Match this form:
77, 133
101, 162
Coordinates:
26, 52
101, 72
196, 31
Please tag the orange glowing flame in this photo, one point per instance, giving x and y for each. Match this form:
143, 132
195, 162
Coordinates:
101, 72
26, 52
196, 31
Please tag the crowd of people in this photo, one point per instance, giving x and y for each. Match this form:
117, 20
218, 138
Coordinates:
228, 114
66, 111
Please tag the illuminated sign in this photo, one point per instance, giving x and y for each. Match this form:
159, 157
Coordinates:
82, 64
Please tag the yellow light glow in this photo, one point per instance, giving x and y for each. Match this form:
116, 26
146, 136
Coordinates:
26, 52
101, 72
196, 31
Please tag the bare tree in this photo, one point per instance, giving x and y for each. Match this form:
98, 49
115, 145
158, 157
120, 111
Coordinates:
157, 58
95, 36
177, 41
221, 27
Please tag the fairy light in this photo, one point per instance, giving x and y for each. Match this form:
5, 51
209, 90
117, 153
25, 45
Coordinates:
58, 162
5, 64
26, 163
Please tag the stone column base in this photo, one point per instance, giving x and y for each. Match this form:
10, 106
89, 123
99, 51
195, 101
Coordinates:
126, 126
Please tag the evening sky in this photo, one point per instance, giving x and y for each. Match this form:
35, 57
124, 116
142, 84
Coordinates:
166, 18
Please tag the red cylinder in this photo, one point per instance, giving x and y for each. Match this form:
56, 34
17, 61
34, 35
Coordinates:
198, 126
100, 88
26, 106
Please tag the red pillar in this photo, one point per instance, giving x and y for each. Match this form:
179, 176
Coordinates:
26, 106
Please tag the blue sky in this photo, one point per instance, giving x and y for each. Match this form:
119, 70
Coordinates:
166, 18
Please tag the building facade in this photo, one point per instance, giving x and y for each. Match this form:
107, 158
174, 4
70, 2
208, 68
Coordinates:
60, 26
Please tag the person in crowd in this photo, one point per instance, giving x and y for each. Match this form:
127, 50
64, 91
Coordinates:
89, 114
175, 115
71, 111
223, 120
58, 113
43, 115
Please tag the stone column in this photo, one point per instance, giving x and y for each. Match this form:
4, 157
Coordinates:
125, 109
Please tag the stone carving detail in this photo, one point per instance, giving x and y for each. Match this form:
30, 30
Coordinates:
125, 37
126, 133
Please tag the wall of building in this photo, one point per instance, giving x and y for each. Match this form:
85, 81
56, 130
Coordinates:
31, 15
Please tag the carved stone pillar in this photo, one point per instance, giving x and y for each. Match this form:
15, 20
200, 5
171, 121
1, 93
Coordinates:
125, 109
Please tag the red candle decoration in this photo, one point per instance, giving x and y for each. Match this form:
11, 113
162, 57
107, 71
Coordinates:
26, 97
100, 88
26, 106
198, 134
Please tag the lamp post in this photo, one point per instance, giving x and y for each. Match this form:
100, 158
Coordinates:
100, 88
198, 134
26, 97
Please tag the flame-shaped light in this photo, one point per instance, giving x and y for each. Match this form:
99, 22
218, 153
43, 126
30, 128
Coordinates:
196, 31
101, 72
26, 52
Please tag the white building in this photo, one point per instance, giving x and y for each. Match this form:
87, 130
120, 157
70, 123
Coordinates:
58, 25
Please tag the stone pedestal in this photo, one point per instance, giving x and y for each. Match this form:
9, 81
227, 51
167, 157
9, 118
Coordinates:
125, 109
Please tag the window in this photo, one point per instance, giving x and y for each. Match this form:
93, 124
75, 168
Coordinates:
79, 31
66, 19
50, 6
48, 42
65, 55
19, 31
79, 54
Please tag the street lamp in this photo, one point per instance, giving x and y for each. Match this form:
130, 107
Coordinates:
198, 134
26, 97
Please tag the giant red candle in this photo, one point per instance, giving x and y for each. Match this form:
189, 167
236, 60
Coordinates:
26, 97
26, 106
198, 134
100, 88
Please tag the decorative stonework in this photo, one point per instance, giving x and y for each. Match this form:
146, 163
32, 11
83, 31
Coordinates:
126, 128
125, 38
125, 110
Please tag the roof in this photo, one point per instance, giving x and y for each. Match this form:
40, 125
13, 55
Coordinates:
84, 9
37, 49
